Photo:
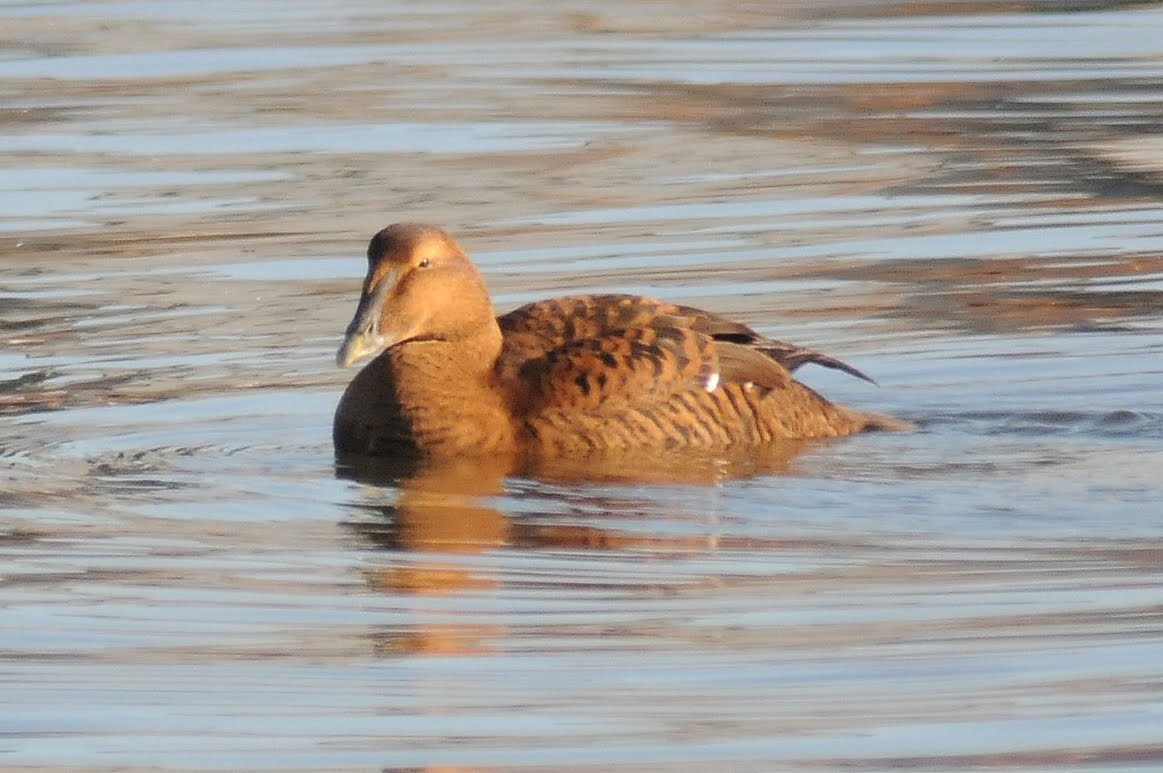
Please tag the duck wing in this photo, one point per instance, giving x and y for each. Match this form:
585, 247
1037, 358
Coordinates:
633, 367
663, 387
673, 379
538, 328
728, 330
638, 367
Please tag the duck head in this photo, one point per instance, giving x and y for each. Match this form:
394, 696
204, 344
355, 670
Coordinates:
420, 286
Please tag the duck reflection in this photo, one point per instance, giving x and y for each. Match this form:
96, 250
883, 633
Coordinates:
437, 508
435, 516
442, 507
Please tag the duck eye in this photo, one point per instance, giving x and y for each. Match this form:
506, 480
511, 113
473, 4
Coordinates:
423, 263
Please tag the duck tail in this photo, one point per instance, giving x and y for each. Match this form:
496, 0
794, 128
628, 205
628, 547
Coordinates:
867, 421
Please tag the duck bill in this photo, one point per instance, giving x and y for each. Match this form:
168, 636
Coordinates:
363, 338
359, 346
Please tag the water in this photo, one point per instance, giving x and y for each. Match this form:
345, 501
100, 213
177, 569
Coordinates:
962, 201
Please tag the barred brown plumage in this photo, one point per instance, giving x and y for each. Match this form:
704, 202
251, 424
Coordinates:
566, 376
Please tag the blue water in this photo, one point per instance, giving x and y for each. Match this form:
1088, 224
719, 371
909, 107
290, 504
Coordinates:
965, 205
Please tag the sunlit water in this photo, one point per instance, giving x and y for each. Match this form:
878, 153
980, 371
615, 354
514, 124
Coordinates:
964, 204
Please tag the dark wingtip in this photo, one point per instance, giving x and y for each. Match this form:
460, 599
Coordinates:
793, 359
834, 364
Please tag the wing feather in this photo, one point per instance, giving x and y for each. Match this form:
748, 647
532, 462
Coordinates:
631, 367
536, 329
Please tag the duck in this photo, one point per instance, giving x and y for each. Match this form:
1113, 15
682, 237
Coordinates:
446, 378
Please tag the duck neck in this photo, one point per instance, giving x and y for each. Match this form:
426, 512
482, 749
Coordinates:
472, 357
446, 391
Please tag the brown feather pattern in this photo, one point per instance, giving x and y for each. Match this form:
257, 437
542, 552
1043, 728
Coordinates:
560, 377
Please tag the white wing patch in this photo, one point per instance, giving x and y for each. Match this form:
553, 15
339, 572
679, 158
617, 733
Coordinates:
712, 382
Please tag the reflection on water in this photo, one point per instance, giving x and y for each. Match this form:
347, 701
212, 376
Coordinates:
961, 199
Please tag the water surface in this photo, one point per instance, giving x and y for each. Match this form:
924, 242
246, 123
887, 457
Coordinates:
962, 200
